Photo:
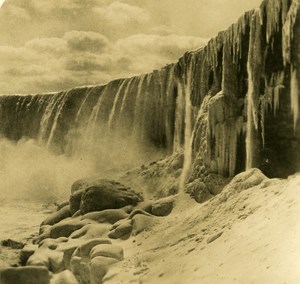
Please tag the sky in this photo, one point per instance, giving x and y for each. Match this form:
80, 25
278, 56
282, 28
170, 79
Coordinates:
52, 45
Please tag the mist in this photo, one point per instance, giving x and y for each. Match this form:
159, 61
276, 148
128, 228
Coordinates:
28, 171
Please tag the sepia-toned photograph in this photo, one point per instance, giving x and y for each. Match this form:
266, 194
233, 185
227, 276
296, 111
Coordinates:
149, 141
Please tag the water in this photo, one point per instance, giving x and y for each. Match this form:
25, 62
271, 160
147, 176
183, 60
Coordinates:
20, 219
20, 222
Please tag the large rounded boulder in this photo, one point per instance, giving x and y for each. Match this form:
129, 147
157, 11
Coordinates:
107, 194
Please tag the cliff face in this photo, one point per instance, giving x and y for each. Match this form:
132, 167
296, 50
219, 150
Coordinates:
231, 105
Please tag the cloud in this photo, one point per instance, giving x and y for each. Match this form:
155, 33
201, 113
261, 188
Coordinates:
86, 41
48, 45
119, 14
166, 48
59, 44
80, 58
15, 13
89, 63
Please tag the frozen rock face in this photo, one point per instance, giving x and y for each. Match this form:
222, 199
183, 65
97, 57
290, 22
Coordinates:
231, 105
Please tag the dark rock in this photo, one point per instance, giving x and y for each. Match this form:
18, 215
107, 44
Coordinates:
141, 223
12, 244
107, 195
105, 250
56, 217
91, 231
62, 204
162, 207
75, 200
27, 252
110, 216
99, 267
25, 275
139, 211
145, 206
198, 190
177, 163
52, 259
86, 247
121, 229
66, 227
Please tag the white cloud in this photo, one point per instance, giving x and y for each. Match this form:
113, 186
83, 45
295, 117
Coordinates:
80, 58
118, 13
68, 43
86, 41
15, 13
48, 45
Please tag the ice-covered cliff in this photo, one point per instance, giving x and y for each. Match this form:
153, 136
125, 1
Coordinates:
230, 105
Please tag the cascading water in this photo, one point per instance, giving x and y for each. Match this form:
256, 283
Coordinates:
155, 110
188, 128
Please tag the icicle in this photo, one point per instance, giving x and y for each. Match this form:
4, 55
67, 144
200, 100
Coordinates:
82, 105
117, 96
57, 115
169, 103
188, 130
88, 135
273, 11
178, 118
288, 31
276, 99
295, 96
254, 73
52, 102
126, 92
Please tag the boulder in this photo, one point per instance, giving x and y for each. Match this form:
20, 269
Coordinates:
82, 184
75, 266
25, 275
177, 162
65, 277
75, 200
56, 217
110, 216
198, 190
141, 223
243, 181
163, 207
52, 243
106, 250
145, 206
27, 252
44, 228
107, 195
66, 227
51, 259
99, 267
12, 244
61, 205
91, 231
85, 248
120, 229
139, 211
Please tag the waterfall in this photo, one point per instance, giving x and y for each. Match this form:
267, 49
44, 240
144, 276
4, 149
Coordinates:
117, 97
235, 71
187, 131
